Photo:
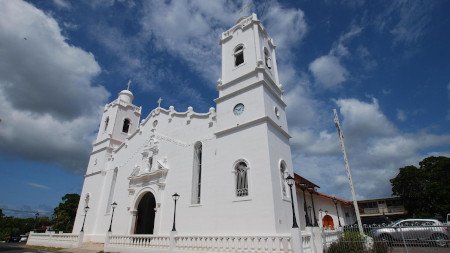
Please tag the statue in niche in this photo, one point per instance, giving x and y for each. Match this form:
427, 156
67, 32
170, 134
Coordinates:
147, 161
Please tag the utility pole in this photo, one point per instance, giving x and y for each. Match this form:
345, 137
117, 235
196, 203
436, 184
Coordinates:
349, 174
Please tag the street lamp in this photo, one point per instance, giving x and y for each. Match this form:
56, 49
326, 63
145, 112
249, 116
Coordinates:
290, 181
335, 205
86, 209
113, 205
311, 189
307, 219
36, 215
175, 198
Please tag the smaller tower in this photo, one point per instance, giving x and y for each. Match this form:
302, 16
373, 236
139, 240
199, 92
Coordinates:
120, 119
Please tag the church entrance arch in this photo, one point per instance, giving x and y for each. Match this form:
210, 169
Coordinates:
145, 218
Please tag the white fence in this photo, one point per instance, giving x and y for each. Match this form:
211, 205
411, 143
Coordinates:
234, 243
134, 243
55, 240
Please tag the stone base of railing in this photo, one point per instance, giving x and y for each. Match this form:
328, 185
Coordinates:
51, 239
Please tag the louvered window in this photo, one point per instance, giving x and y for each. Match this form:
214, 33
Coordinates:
241, 179
282, 178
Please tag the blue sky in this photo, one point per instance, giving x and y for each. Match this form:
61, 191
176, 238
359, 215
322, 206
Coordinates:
385, 65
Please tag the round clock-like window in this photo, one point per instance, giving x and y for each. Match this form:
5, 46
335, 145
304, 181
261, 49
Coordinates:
238, 109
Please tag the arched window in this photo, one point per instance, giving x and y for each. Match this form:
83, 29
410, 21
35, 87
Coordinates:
106, 123
267, 59
126, 125
282, 178
197, 173
327, 222
238, 55
241, 179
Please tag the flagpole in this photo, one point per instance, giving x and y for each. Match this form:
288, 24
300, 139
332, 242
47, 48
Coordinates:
349, 174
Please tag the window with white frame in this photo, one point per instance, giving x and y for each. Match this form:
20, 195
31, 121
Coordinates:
282, 178
241, 170
239, 55
197, 173
267, 59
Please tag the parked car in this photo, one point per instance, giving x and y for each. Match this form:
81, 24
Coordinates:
414, 230
24, 238
14, 238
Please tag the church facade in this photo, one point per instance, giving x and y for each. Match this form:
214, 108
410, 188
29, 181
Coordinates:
227, 165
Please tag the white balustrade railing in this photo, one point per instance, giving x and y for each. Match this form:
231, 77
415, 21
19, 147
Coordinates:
307, 242
53, 239
234, 243
147, 241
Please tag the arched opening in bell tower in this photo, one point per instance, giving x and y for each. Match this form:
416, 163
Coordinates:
145, 219
126, 125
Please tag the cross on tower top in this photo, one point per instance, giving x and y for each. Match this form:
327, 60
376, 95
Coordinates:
246, 6
159, 102
128, 85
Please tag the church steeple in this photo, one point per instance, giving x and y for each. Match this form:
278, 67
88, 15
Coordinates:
120, 117
246, 48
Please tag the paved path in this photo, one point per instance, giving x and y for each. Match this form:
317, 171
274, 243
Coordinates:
22, 248
19, 248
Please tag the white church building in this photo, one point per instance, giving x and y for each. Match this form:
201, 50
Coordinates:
228, 165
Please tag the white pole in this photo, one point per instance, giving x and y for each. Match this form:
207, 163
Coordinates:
349, 174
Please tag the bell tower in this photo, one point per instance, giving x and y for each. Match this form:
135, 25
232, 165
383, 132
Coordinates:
249, 88
120, 119
251, 121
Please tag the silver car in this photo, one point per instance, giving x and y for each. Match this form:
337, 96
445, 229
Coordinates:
414, 231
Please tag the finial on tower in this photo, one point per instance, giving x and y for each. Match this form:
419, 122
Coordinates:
128, 85
246, 6
159, 101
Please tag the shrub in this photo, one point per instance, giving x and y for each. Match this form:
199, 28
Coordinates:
353, 242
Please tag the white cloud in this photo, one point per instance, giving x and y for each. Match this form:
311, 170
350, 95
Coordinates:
401, 115
278, 20
39, 186
49, 106
376, 149
191, 29
62, 3
328, 71
407, 21
364, 119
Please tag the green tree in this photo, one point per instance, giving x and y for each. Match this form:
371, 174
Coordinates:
64, 214
425, 190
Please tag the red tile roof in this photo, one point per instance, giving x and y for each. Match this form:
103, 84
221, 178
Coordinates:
299, 179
